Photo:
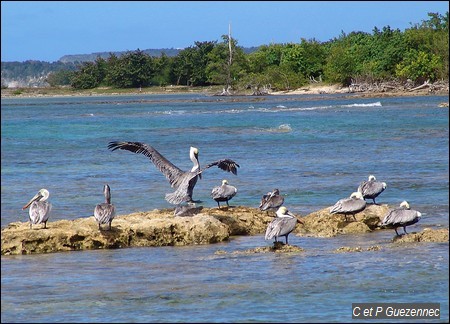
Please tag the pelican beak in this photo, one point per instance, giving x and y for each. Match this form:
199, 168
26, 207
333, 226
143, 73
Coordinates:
300, 221
36, 197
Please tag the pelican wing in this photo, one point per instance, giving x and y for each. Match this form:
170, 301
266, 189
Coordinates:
273, 229
223, 192
224, 164
280, 227
399, 216
104, 213
216, 192
273, 201
348, 205
40, 211
371, 188
338, 206
171, 172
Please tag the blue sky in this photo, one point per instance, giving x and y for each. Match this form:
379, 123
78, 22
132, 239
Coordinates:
48, 30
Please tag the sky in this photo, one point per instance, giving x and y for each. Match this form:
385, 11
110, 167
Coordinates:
48, 30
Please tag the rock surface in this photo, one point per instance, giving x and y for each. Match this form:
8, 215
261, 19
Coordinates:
163, 228
323, 224
427, 235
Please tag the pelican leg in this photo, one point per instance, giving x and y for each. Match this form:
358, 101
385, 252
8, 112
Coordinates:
31, 225
354, 217
287, 239
45, 225
109, 225
227, 204
99, 227
404, 228
218, 205
395, 229
374, 201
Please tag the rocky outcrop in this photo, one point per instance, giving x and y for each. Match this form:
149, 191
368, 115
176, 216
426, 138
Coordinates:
163, 228
154, 228
427, 235
323, 224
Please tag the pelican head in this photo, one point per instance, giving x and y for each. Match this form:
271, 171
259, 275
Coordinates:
404, 204
284, 212
193, 153
356, 195
224, 182
42, 195
384, 185
372, 178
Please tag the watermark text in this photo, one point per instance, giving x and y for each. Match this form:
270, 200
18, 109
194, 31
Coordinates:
396, 310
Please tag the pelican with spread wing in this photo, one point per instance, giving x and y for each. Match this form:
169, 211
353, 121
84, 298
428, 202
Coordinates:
183, 181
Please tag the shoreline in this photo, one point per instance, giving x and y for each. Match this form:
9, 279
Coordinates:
17, 93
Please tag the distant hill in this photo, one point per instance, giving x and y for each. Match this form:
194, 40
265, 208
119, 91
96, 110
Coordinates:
73, 58
91, 57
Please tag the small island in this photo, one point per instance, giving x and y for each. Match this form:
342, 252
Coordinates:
211, 225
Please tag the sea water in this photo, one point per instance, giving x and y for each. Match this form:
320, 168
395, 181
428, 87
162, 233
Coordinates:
315, 149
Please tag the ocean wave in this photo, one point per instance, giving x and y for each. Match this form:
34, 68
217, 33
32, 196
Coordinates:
172, 112
283, 128
252, 109
373, 104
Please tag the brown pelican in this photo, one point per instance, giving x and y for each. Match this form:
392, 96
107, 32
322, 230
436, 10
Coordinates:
105, 212
352, 205
272, 200
40, 208
372, 188
223, 193
183, 181
401, 217
282, 225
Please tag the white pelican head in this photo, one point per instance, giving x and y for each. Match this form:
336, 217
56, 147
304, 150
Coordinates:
404, 204
42, 195
356, 195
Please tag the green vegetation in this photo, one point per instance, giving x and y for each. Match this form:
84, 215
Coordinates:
418, 54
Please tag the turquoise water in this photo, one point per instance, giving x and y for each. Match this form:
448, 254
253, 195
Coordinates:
315, 149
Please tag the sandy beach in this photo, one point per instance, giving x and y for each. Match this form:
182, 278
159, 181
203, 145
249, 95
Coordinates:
306, 90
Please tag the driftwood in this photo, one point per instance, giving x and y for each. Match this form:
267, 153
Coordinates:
396, 86
225, 92
424, 85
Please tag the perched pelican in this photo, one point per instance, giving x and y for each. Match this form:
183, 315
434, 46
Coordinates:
272, 200
352, 205
223, 193
401, 217
183, 181
105, 212
282, 225
40, 208
372, 188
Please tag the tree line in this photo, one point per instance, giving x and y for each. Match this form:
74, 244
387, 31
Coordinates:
418, 54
